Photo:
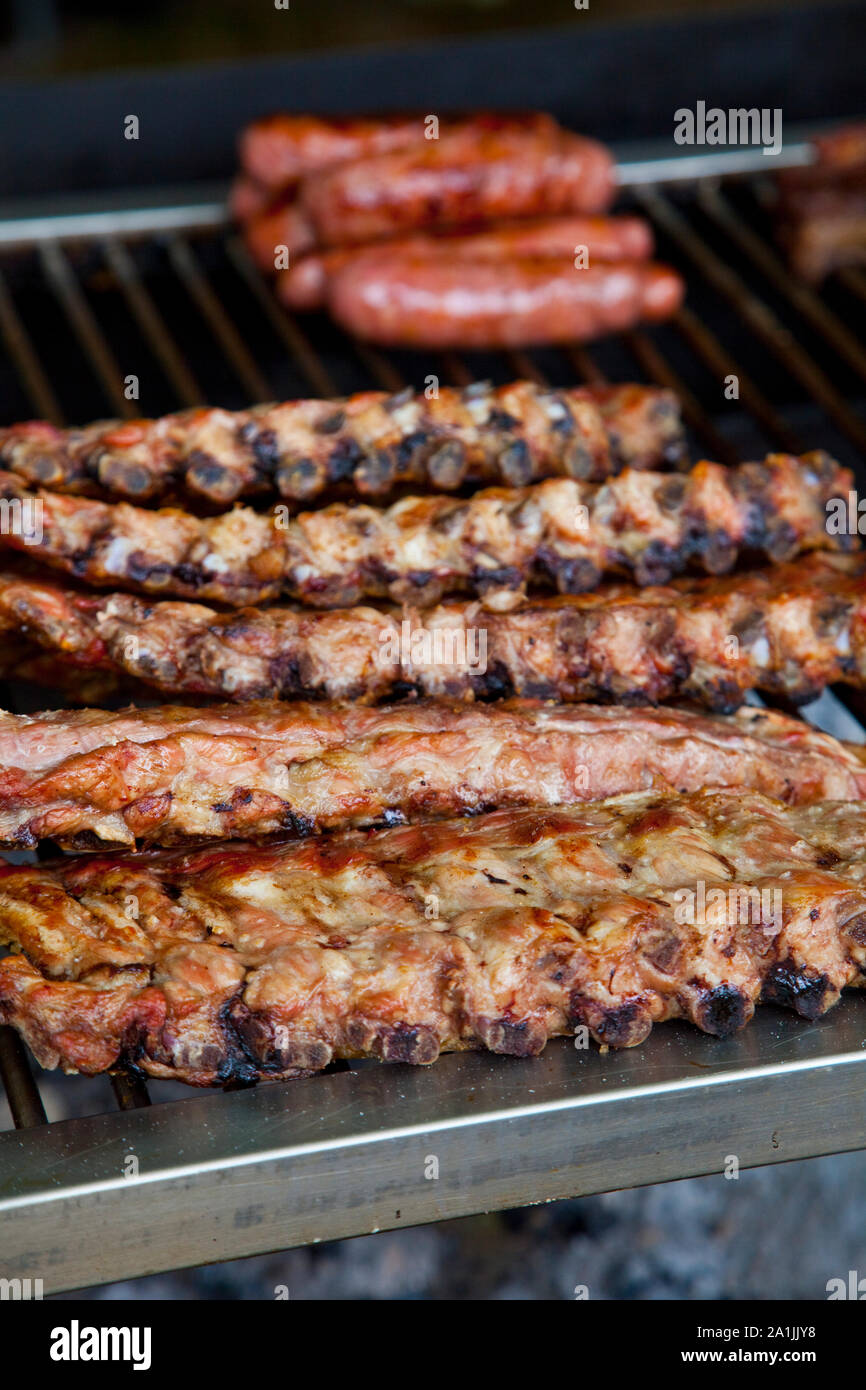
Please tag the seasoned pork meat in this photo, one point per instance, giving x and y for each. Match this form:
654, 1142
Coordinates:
644, 525
237, 963
172, 774
787, 630
368, 444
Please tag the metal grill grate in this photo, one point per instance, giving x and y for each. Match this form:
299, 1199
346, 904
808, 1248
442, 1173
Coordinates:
169, 294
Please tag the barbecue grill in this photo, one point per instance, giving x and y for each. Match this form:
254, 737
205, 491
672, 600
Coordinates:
157, 287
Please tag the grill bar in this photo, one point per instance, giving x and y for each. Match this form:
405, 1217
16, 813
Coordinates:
456, 369
22, 1093
297, 342
130, 1092
196, 284
706, 345
151, 323
634, 172
586, 368
759, 317
654, 364
25, 231
379, 367
60, 276
21, 350
523, 366
804, 299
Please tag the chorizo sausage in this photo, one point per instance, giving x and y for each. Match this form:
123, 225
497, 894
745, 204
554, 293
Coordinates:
304, 284
411, 301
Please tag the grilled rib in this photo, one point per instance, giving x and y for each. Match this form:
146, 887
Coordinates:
791, 629
370, 444
788, 630
644, 525
172, 774
240, 963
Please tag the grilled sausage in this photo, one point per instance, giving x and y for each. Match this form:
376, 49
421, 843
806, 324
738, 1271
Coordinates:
281, 224
411, 301
843, 148
304, 284
280, 149
457, 180
248, 198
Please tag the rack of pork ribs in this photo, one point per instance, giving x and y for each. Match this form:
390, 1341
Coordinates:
347, 844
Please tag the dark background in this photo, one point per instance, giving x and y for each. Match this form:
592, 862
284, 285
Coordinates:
193, 73
618, 71
43, 38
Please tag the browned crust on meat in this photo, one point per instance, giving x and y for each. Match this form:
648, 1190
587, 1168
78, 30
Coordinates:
453, 182
283, 147
240, 963
644, 525
788, 630
370, 444
174, 774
